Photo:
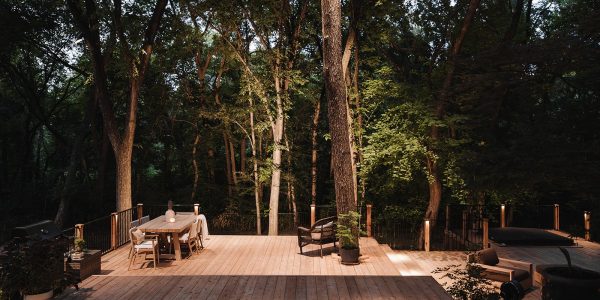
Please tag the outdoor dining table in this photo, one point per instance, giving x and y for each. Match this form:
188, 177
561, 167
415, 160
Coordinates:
177, 228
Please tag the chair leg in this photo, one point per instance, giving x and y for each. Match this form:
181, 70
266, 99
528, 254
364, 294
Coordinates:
131, 260
321, 250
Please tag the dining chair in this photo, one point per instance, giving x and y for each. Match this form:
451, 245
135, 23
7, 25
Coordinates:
191, 237
199, 231
143, 244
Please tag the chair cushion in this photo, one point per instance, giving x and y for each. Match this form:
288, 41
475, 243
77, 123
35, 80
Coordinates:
139, 235
487, 257
144, 245
316, 234
185, 237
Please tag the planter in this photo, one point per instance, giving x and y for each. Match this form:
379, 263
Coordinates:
86, 265
562, 282
43, 296
349, 256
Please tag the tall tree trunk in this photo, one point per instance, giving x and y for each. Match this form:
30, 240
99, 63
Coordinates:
359, 119
257, 185
123, 178
290, 182
337, 111
277, 128
315, 149
195, 165
435, 185
233, 166
228, 164
243, 155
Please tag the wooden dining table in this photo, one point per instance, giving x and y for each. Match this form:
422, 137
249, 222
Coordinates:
177, 228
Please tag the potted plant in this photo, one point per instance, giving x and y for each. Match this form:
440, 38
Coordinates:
570, 282
79, 246
34, 269
348, 232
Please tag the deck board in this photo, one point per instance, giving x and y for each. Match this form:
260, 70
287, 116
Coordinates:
256, 267
421, 263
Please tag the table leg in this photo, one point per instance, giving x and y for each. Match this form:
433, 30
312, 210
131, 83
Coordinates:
177, 246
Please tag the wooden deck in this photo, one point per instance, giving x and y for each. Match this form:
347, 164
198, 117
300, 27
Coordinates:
420, 263
259, 267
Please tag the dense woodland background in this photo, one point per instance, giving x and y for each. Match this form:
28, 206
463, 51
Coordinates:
505, 109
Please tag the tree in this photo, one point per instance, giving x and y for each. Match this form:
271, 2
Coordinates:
337, 112
435, 183
87, 20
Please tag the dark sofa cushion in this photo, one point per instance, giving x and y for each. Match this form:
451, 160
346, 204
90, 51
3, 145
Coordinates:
520, 275
487, 257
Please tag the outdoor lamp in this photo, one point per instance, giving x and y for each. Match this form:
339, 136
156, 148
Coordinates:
170, 214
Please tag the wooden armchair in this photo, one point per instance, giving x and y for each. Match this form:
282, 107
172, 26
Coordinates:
322, 232
502, 269
143, 244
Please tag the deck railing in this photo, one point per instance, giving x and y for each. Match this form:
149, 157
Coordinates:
97, 234
459, 227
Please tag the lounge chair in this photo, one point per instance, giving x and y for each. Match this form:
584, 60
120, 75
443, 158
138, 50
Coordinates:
502, 269
322, 232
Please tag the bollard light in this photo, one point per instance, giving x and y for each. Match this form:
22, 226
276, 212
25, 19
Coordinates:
502, 216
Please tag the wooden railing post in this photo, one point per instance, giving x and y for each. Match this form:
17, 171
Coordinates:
140, 212
586, 225
464, 225
502, 216
369, 228
113, 230
426, 238
556, 217
196, 209
313, 215
79, 231
486, 240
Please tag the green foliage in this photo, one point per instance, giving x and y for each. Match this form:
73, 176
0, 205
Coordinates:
348, 230
406, 213
80, 245
519, 126
467, 282
34, 267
